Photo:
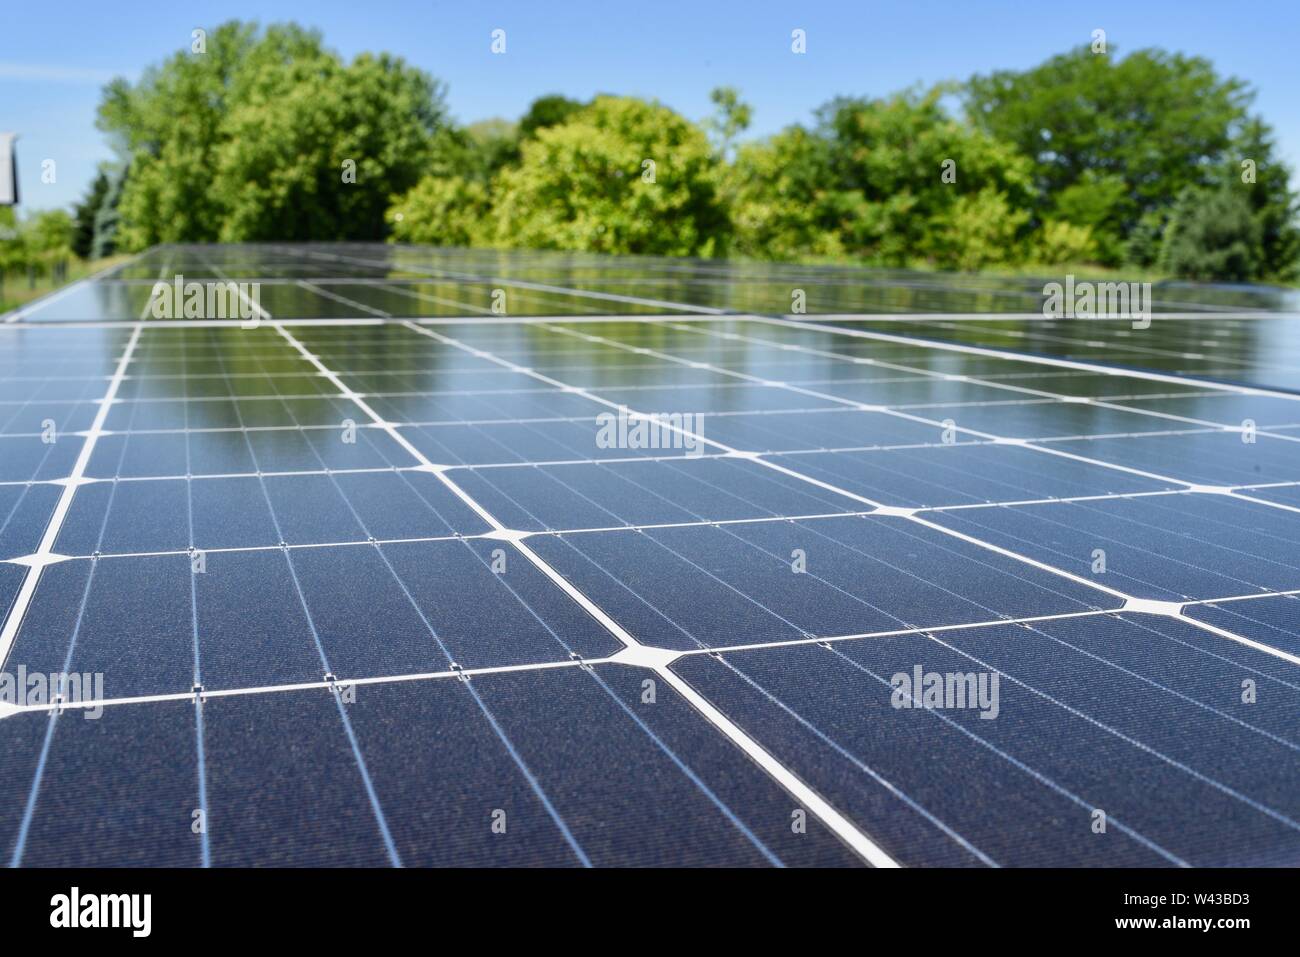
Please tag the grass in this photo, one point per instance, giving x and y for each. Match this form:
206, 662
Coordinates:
16, 291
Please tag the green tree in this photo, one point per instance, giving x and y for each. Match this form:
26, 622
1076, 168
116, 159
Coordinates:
49, 231
732, 119
1155, 122
36, 242
493, 144
551, 110
317, 147
1274, 205
619, 176
1058, 243
107, 217
13, 249
268, 135
784, 204
974, 231
892, 181
1142, 248
442, 211
894, 153
83, 238
169, 126
1098, 204
1212, 235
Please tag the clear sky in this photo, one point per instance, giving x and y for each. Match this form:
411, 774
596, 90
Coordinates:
54, 57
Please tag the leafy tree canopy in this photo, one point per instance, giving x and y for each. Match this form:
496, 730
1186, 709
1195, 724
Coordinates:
36, 241
269, 135
551, 110
620, 176
442, 211
1114, 140
732, 119
83, 239
893, 180
1212, 234
493, 144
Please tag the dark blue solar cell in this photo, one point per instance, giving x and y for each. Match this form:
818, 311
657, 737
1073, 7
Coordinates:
43, 638
56, 419
366, 625
231, 513
904, 829
965, 474
284, 786
685, 489
25, 512
407, 505
440, 773
1043, 419
1212, 458
21, 738
1170, 547
80, 531
846, 428
311, 509
141, 517
764, 807
1238, 780
24, 459
1271, 621
138, 456
620, 792
484, 618
134, 625
721, 585
1203, 666
295, 451
1285, 495
119, 790
1046, 793
11, 580
252, 629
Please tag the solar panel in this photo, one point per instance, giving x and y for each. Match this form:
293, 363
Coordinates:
434, 557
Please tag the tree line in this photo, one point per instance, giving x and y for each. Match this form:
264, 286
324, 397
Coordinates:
1150, 161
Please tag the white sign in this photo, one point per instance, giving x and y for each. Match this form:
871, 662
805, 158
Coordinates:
8, 170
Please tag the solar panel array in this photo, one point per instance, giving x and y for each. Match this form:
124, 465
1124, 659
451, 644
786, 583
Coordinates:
365, 585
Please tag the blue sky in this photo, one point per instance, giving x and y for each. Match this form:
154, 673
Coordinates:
55, 58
